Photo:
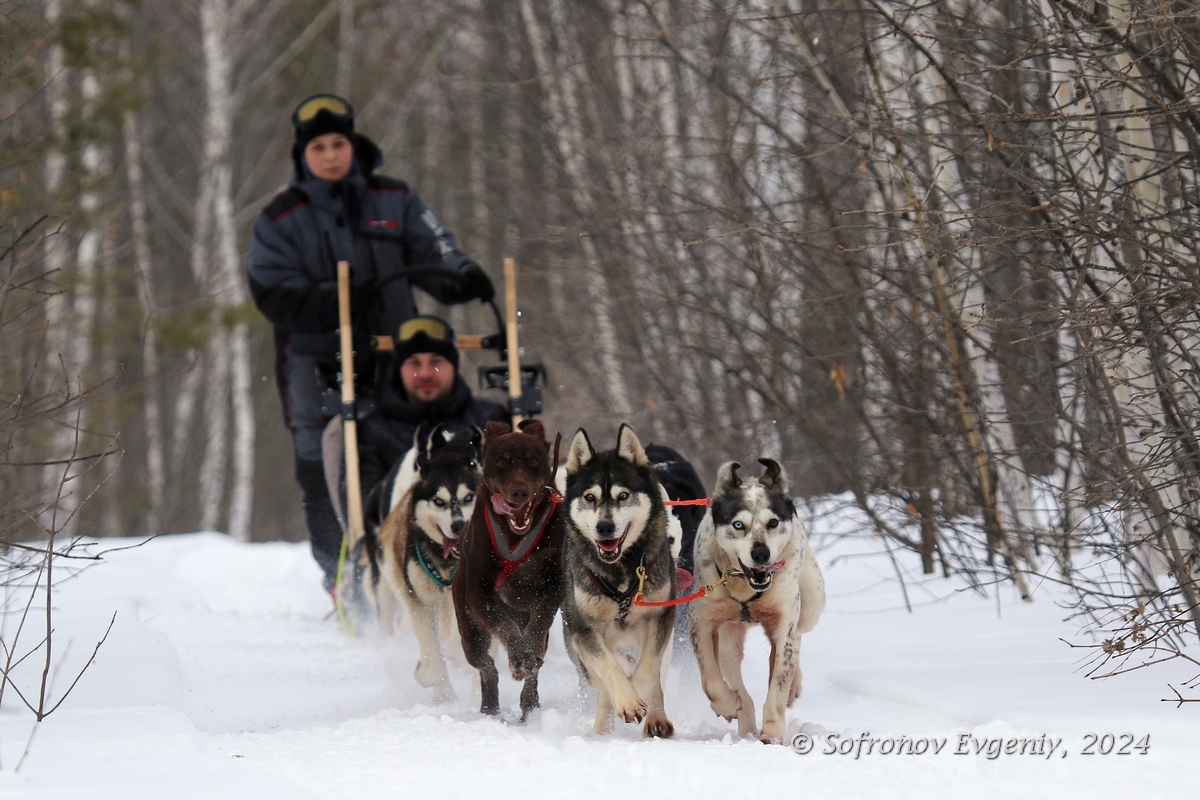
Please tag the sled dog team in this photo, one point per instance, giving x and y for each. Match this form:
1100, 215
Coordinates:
478, 524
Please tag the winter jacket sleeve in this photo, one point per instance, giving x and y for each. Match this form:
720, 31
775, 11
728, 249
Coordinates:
281, 287
430, 243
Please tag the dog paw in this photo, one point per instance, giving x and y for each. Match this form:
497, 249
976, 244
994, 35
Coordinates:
727, 706
771, 734
633, 710
429, 673
658, 725
524, 666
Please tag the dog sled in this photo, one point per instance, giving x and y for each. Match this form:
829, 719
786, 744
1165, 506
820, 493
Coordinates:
521, 383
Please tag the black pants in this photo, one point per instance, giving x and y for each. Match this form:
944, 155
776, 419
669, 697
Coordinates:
301, 384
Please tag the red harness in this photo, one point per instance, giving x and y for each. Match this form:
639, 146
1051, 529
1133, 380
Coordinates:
513, 557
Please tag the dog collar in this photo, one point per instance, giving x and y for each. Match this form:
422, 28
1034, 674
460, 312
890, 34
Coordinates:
432, 572
512, 557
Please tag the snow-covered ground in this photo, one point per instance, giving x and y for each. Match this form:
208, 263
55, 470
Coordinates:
224, 676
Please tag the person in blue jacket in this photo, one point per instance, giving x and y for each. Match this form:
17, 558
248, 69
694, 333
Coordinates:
336, 207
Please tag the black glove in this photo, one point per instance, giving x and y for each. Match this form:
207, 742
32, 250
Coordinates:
474, 282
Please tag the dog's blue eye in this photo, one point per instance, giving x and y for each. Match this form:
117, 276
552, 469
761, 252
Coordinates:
439, 502
468, 497
623, 496
738, 526
591, 498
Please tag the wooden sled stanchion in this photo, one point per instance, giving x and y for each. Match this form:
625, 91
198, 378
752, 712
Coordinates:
510, 329
354, 509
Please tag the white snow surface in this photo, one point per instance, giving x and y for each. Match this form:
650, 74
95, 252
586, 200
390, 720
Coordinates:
225, 676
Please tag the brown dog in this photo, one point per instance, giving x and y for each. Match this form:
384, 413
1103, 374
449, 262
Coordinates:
509, 580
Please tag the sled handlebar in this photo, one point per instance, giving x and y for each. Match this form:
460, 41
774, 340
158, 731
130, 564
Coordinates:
383, 343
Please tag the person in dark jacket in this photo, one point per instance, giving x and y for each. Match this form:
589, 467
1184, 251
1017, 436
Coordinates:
336, 207
424, 387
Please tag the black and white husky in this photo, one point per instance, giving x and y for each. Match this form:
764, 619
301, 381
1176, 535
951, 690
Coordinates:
616, 525
418, 543
752, 533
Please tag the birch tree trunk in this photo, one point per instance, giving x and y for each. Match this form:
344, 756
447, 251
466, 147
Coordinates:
560, 86
345, 53
144, 268
1012, 477
93, 267
227, 352
59, 314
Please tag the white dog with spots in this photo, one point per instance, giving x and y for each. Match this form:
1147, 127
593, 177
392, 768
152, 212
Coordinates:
753, 536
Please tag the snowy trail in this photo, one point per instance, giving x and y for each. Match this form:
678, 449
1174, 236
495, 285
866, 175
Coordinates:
223, 676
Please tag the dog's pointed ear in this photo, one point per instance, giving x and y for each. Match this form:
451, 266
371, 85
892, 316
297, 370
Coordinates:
774, 477
494, 430
581, 452
532, 427
727, 477
421, 443
439, 435
421, 436
629, 447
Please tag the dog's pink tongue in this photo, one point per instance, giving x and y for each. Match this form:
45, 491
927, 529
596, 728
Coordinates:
501, 507
683, 579
448, 546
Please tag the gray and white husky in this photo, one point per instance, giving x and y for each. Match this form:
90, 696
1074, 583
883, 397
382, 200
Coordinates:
419, 545
616, 525
752, 532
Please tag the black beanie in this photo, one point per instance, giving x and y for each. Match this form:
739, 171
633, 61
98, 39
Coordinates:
426, 334
319, 115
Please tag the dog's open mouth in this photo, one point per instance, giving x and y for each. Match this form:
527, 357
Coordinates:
760, 578
449, 546
519, 517
609, 550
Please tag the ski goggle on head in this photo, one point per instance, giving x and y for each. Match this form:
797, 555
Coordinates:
426, 334
432, 327
308, 110
322, 114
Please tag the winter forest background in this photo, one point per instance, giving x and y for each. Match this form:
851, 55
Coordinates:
938, 257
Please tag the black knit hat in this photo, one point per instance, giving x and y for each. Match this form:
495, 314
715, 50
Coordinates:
426, 334
319, 115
